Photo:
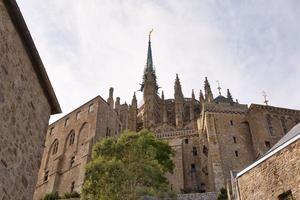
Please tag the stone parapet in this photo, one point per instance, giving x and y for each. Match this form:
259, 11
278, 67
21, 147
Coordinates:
177, 134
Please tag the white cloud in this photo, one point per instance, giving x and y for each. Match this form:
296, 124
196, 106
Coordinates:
88, 46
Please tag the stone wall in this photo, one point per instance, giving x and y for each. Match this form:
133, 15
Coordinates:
24, 114
260, 129
176, 179
276, 175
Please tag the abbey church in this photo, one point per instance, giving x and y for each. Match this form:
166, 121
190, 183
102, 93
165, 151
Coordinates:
213, 136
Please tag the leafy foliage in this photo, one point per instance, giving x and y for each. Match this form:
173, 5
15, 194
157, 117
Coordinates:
51, 196
69, 195
223, 194
128, 167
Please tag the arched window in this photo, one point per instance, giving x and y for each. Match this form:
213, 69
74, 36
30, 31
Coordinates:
55, 147
71, 138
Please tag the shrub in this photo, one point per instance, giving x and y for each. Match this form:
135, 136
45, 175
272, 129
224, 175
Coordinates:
69, 195
51, 196
223, 194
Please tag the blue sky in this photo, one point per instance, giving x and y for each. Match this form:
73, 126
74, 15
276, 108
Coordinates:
88, 46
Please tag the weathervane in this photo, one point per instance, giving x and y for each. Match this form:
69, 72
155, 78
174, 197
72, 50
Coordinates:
265, 97
219, 87
150, 32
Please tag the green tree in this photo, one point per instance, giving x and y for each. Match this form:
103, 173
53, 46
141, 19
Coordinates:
223, 194
126, 168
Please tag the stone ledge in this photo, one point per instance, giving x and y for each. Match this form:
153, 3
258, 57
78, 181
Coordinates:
192, 196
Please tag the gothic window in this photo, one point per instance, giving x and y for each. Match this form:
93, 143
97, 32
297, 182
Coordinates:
91, 108
107, 134
186, 141
72, 186
231, 122
195, 153
193, 168
234, 139
236, 153
78, 115
55, 147
268, 144
269, 123
205, 150
286, 196
72, 138
46, 175
66, 122
72, 161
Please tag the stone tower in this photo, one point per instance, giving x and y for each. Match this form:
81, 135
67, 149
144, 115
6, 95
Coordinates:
178, 103
150, 88
110, 99
132, 122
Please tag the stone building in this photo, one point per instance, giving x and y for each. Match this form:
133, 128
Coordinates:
211, 135
26, 102
69, 143
274, 176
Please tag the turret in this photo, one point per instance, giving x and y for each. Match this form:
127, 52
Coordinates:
178, 103
110, 99
208, 93
117, 105
132, 120
192, 114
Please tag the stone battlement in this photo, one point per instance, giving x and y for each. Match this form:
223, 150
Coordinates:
177, 134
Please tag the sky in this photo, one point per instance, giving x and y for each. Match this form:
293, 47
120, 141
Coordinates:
248, 46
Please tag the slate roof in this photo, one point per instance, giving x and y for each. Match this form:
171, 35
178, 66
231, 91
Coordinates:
290, 135
222, 99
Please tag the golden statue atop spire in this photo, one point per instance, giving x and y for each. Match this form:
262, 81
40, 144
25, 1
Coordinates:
150, 32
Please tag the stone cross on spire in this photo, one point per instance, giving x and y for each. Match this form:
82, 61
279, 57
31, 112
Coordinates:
265, 97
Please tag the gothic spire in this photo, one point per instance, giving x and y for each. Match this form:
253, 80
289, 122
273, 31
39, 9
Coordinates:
229, 96
162, 95
149, 72
208, 93
149, 65
201, 97
177, 87
193, 94
134, 101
